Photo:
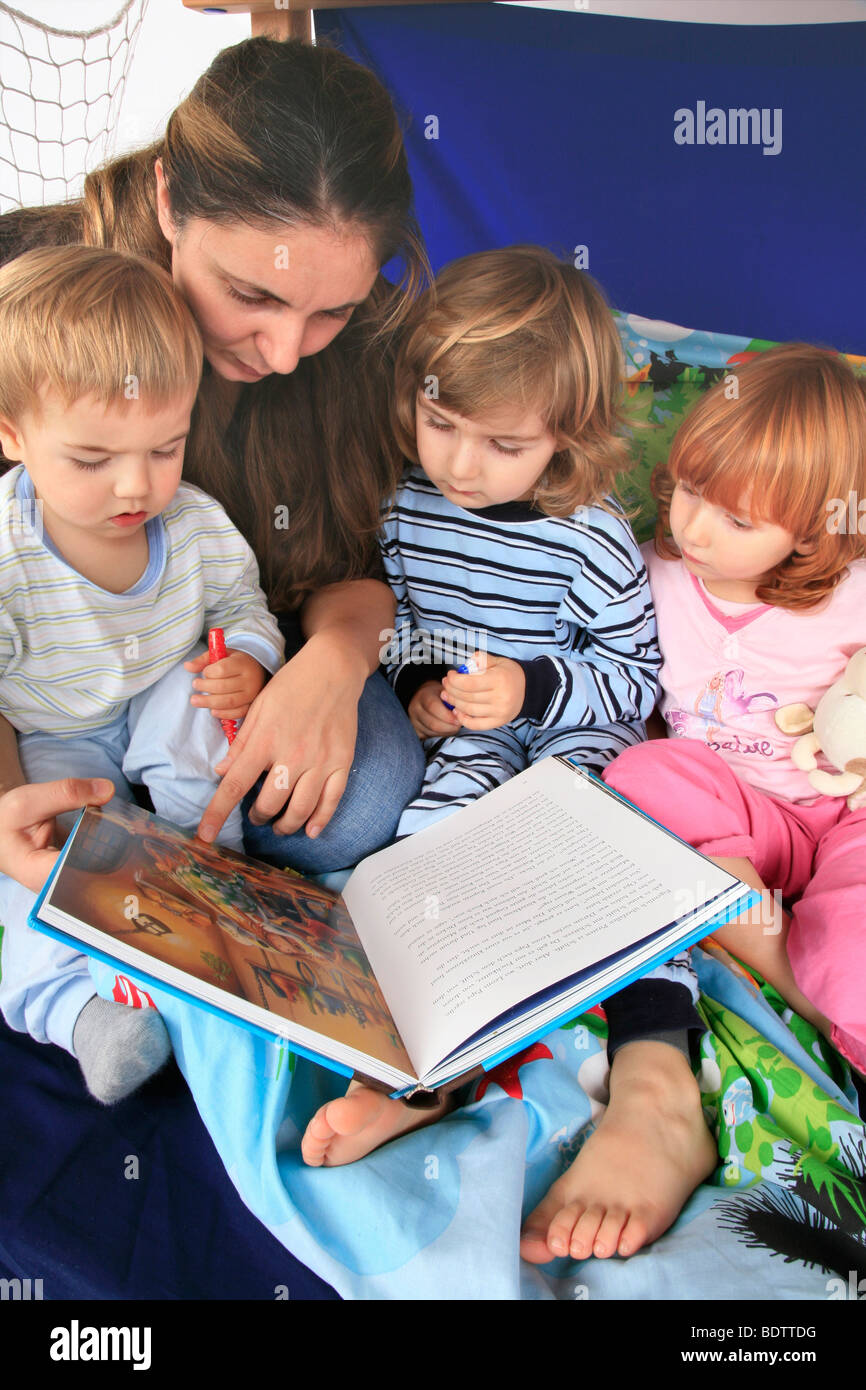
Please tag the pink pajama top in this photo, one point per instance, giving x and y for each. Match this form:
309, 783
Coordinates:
727, 667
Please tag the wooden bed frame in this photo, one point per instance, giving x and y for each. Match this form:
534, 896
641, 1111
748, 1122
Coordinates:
284, 19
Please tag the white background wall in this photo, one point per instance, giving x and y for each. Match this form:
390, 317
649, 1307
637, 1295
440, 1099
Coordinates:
174, 46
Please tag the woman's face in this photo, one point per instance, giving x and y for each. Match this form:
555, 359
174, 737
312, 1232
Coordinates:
265, 298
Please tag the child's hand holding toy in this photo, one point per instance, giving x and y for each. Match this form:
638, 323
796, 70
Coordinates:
228, 686
487, 692
429, 715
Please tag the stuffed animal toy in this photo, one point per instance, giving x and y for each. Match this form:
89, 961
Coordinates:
838, 729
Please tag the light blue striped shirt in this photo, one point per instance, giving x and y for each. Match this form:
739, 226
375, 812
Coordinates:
72, 654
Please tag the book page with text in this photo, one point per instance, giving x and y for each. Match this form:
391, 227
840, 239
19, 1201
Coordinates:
539, 879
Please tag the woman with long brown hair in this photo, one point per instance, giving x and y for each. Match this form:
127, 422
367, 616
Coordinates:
277, 193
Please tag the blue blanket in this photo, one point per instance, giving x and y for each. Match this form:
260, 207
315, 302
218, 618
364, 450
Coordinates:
437, 1214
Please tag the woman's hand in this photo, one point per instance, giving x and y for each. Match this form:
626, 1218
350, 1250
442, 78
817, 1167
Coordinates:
301, 729
28, 833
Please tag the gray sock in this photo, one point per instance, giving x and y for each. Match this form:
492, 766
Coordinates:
118, 1048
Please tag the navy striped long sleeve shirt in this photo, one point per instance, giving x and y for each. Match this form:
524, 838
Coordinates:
567, 597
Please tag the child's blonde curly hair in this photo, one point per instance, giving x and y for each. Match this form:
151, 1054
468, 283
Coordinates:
517, 327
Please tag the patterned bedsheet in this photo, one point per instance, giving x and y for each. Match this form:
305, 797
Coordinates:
437, 1214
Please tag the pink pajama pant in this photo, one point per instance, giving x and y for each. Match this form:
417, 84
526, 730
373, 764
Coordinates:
815, 854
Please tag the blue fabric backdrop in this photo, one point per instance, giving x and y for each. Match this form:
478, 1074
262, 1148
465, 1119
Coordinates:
557, 127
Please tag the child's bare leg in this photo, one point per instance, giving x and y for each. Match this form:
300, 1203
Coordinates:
359, 1122
759, 939
634, 1174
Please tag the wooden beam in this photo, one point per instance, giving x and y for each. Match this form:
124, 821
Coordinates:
284, 8
284, 24
283, 19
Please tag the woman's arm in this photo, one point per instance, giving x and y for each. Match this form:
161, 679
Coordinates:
355, 614
303, 725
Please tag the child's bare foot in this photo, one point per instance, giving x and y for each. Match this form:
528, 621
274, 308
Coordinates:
635, 1173
359, 1122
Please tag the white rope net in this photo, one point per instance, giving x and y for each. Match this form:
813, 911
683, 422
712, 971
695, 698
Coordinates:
60, 94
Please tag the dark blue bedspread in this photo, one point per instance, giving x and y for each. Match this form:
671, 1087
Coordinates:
74, 1214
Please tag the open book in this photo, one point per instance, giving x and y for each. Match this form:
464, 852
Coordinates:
446, 952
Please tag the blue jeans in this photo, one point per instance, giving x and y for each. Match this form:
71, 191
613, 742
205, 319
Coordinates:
386, 773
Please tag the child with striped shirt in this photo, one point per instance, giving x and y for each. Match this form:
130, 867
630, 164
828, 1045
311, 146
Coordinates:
508, 554
111, 572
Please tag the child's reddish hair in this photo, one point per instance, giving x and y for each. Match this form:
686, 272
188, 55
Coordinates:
789, 434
